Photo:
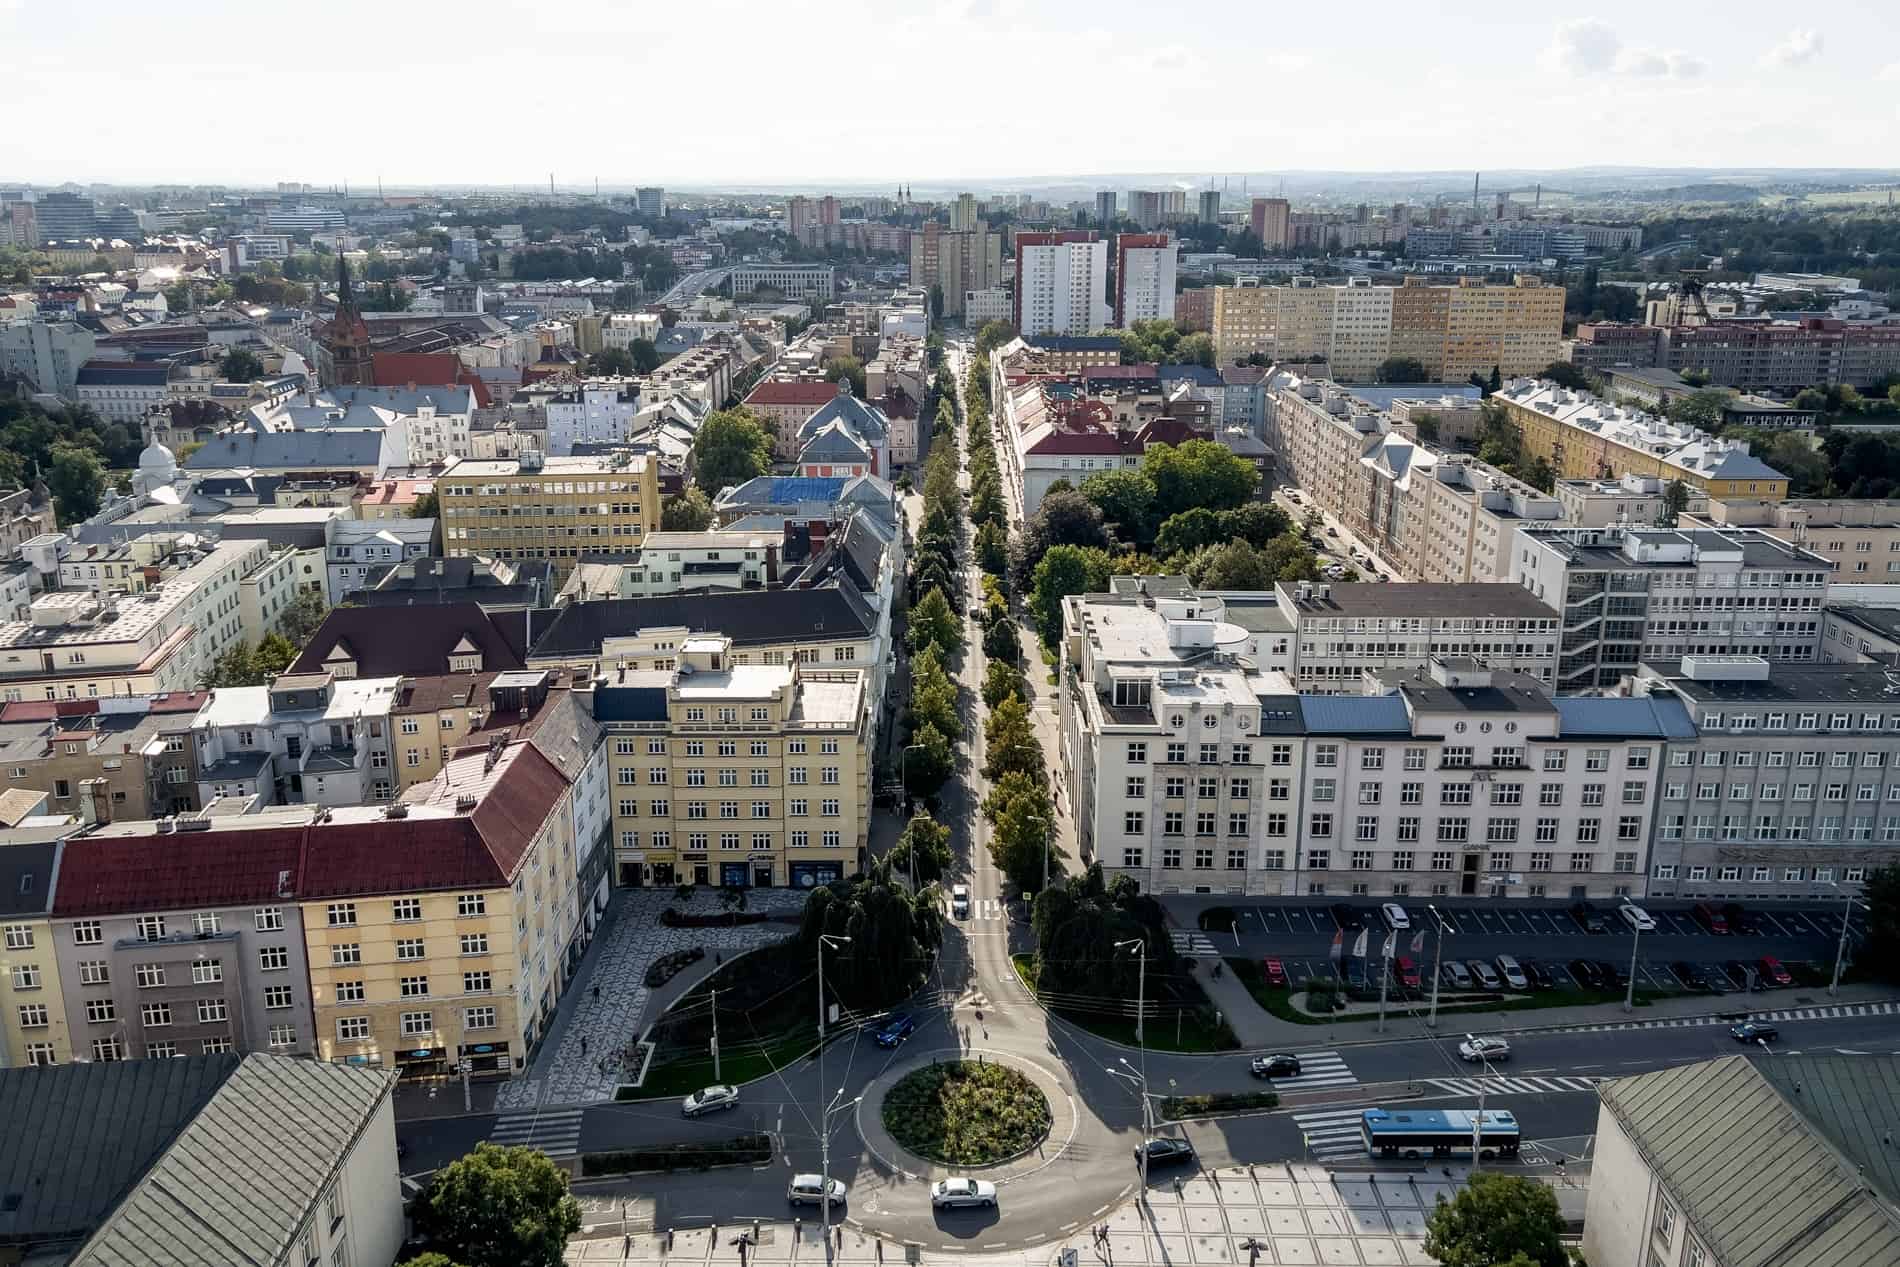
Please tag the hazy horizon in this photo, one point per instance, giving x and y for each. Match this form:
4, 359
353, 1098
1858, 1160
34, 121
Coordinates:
870, 98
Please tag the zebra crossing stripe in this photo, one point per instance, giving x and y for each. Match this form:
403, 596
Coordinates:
1318, 1069
1332, 1134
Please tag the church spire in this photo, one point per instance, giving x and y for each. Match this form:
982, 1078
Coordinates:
343, 299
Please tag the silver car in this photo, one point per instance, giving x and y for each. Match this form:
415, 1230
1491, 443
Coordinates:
805, 1190
710, 1100
953, 1194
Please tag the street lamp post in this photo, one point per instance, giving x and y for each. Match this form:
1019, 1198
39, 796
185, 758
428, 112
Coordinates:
1048, 831
1141, 1037
824, 1118
1438, 955
1629, 995
1840, 947
1477, 1123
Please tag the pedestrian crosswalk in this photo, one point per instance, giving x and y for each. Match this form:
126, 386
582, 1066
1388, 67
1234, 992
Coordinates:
1331, 1134
1318, 1069
1192, 942
1829, 1013
556, 1132
1521, 1086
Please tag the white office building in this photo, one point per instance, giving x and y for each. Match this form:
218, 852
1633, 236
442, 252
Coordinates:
1060, 281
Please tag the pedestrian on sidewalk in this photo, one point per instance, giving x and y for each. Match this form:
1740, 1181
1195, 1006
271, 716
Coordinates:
597, 992
583, 1044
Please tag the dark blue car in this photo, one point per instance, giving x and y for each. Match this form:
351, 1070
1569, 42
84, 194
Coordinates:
895, 1030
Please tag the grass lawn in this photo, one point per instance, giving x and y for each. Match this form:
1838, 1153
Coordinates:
1280, 1001
685, 1075
1192, 1035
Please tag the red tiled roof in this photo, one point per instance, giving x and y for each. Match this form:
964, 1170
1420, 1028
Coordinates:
515, 808
783, 393
178, 871
398, 855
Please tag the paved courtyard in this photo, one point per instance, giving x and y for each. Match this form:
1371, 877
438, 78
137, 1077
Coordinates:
587, 1031
1263, 1216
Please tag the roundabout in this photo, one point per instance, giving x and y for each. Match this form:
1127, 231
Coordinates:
950, 1111
966, 1113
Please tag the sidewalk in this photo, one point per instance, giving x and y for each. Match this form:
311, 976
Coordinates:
1258, 1028
1265, 1215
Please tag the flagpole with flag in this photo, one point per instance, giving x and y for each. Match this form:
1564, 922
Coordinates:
1385, 972
1333, 954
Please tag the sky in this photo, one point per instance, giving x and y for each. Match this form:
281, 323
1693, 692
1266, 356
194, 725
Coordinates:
730, 94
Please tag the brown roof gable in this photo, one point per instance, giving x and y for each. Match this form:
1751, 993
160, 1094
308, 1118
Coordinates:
409, 641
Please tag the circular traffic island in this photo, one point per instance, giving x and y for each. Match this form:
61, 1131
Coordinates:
966, 1113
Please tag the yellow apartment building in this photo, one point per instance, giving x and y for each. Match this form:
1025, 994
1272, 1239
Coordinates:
736, 774
433, 717
1518, 329
1585, 437
1242, 323
434, 931
556, 508
33, 1023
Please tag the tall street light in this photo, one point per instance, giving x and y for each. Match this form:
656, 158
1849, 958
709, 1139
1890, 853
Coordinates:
1629, 995
1438, 955
824, 1116
1847, 922
1141, 1037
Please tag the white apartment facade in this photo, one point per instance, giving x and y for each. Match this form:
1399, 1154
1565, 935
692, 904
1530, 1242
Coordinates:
1344, 631
592, 411
1625, 596
305, 739
1144, 282
1060, 282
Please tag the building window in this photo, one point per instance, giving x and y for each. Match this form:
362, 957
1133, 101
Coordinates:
87, 932
352, 1029
342, 914
206, 972
347, 953
150, 976
409, 948
269, 919
349, 992
277, 997
417, 1023
212, 1011
478, 1018
406, 910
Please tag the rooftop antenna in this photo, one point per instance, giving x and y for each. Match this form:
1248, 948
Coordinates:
1474, 193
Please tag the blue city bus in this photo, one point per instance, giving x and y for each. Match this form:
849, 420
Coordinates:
1438, 1132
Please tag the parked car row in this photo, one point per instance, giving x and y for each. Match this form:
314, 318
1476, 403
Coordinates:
1721, 919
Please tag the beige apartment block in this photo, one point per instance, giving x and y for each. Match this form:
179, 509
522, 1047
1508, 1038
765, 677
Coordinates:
554, 508
736, 774
1243, 322
1861, 537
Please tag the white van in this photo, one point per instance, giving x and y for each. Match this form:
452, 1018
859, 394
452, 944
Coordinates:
960, 901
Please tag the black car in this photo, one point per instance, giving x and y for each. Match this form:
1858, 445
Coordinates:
1350, 918
1692, 977
1539, 975
1276, 1066
1613, 973
1740, 920
1586, 974
1754, 1032
1167, 1151
1589, 918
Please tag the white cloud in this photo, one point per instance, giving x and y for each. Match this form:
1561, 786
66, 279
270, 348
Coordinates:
1169, 57
1890, 73
1583, 46
1797, 46
1587, 46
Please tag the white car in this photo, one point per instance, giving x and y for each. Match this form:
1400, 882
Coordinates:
954, 1194
710, 1100
805, 1190
1475, 1049
1636, 917
1395, 916
1513, 973
960, 901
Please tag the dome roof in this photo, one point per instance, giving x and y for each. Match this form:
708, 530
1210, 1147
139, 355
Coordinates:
157, 457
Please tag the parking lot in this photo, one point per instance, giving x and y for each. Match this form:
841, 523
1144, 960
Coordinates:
1300, 934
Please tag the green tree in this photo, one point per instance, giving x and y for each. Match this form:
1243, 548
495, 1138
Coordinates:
274, 654
303, 615
1493, 1219
732, 447
1195, 349
1675, 501
1020, 814
645, 354
1426, 423
848, 368
1001, 681
1009, 741
1077, 927
1290, 559
1063, 518
1188, 531
928, 762
240, 365
428, 506
1234, 566
923, 850
1000, 642
1880, 950
992, 549
1564, 374
994, 334
894, 936
1256, 523
430, 1259
934, 624
236, 665
1400, 369
1126, 499
1197, 473
1809, 398
933, 696
1064, 570
76, 479
500, 1207
1701, 408
690, 511
611, 361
